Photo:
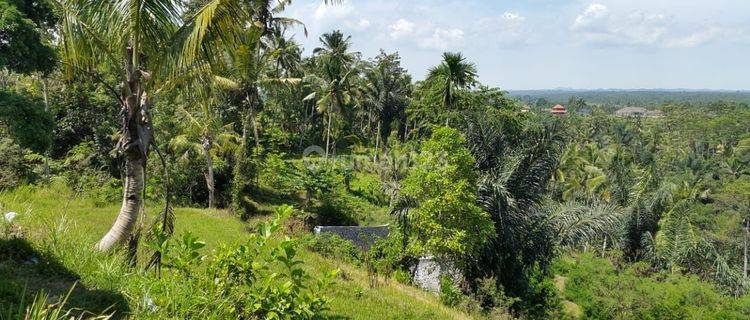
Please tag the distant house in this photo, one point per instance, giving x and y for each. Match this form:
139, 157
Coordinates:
558, 109
638, 112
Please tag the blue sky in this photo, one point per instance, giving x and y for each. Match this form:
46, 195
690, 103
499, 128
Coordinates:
542, 44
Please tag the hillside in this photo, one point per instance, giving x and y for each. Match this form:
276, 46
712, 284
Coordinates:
58, 229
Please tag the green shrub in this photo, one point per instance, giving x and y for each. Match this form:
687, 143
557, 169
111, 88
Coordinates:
13, 169
608, 292
450, 295
25, 120
332, 246
446, 220
402, 276
278, 174
260, 279
388, 256
368, 187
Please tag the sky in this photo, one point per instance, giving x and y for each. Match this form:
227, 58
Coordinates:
549, 44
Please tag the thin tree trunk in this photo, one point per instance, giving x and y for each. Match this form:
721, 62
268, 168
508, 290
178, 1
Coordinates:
46, 109
377, 142
328, 132
210, 180
256, 136
747, 231
245, 121
210, 185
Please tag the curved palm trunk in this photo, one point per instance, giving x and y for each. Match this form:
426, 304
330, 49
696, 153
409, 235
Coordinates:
132, 200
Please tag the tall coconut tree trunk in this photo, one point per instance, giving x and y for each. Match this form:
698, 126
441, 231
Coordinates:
46, 109
747, 234
134, 144
328, 132
256, 135
377, 143
210, 185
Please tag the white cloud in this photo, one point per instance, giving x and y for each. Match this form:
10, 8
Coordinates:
357, 25
599, 24
363, 24
442, 39
507, 30
513, 17
593, 12
401, 28
325, 13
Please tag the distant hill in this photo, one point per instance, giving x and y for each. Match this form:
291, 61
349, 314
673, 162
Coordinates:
639, 97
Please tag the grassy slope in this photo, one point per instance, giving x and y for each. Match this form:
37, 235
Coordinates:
351, 296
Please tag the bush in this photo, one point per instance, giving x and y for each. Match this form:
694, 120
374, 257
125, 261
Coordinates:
26, 121
13, 169
332, 246
261, 279
450, 295
491, 298
388, 257
278, 174
607, 292
368, 187
446, 220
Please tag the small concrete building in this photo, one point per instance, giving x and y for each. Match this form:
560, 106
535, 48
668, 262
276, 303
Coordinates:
426, 274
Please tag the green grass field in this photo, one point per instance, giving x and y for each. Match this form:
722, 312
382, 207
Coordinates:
56, 220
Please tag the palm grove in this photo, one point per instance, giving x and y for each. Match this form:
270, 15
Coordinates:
211, 104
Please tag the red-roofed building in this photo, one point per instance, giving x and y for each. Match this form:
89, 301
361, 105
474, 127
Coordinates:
558, 109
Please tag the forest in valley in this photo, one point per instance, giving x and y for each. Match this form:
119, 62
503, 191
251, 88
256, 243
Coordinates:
171, 159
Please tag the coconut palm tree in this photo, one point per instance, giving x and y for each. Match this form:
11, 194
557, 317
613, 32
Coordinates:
204, 132
452, 74
132, 37
285, 53
332, 89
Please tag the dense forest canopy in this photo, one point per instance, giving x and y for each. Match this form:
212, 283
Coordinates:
149, 122
627, 98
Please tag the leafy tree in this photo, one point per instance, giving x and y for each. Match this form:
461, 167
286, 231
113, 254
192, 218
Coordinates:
25, 120
24, 44
445, 220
